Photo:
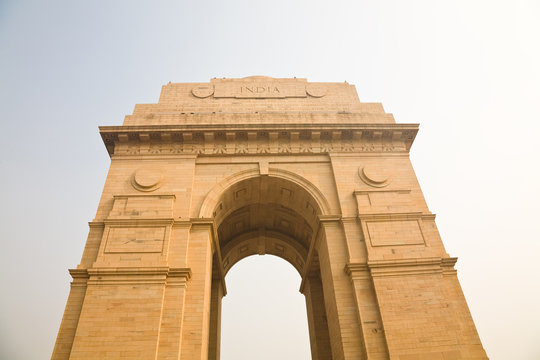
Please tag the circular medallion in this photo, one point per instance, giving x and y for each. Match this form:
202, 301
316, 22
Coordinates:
147, 178
203, 91
315, 90
374, 176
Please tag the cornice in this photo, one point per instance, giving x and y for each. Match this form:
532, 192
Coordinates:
128, 271
163, 195
139, 221
152, 221
330, 218
246, 139
351, 268
78, 273
203, 222
401, 267
134, 275
396, 216
255, 126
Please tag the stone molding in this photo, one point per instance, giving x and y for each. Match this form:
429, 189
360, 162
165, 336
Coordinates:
401, 267
396, 216
211, 200
140, 221
151, 221
256, 140
126, 276
357, 271
80, 277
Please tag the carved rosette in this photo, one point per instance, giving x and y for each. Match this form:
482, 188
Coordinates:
148, 178
315, 90
203, 91
375, 176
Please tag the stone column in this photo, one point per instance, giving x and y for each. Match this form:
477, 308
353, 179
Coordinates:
317, 322
170, 334
214, 345
341, 311
121, 314
368, 312
195, 330
68, 327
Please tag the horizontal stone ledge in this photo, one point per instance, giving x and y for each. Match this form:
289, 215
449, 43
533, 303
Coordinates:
148, 221
351, 268
131, 271
404, 262
138, 221
259, 139
396, 216
193, 118
400, 267
255, 127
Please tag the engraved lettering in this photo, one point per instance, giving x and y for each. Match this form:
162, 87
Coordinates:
260, 89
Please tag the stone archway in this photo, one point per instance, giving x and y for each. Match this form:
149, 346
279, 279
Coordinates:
216, 171
264, 315
270, 215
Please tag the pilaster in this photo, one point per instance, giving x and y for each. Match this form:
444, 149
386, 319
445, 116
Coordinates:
317, 320
70, 320
343, 324
196, 322
217, 292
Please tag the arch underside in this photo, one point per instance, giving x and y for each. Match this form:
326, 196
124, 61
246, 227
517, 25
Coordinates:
264, 242
275, 216
266, 215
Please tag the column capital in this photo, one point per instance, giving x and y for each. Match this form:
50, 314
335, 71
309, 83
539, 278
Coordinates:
326, 219
202, 222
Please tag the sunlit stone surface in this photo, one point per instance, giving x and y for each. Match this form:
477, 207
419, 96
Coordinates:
215, 172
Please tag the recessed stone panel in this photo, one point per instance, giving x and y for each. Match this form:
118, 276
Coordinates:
393, 233
142, 206
135, 240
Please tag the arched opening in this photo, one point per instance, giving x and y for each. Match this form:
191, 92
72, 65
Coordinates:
264, 315
276, 216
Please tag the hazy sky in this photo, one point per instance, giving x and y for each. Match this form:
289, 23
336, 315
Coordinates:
467, 71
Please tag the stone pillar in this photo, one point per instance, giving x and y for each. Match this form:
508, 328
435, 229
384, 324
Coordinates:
368, 312
195, 331
70, 320
170, 334
471, 347
343, 324
121, 314
214, 344
317, 321
68, 327
172, 318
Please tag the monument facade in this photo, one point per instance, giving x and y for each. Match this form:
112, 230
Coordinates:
215, 172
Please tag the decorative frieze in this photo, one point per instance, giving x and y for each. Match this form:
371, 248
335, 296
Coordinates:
167, 140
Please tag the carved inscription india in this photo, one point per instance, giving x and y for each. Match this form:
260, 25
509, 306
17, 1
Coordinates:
263, 90
259, 90
246, 90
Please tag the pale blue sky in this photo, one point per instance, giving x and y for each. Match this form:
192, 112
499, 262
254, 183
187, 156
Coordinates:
467, 71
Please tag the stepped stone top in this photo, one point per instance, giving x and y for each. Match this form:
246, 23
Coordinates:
258, 99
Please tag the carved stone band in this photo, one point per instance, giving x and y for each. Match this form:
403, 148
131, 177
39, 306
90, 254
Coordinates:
259, 90
171, 140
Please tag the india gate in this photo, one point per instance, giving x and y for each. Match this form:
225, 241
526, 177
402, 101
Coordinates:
218, 171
